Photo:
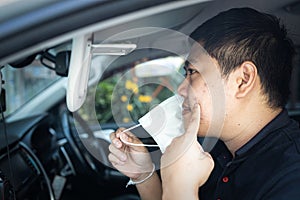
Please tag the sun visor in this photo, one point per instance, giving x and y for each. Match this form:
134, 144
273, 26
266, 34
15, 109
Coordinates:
78, 77
78, 72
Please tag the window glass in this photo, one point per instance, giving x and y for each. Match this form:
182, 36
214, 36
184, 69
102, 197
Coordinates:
127, 95
22, 84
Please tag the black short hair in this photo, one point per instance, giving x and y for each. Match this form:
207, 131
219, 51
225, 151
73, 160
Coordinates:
244, 34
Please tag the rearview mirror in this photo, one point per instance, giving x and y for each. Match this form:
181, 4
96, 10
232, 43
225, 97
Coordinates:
62, 63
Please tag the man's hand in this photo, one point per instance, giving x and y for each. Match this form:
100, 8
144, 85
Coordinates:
133, 161
184, 165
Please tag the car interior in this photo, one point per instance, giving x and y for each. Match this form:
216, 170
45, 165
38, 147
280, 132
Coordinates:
67, 69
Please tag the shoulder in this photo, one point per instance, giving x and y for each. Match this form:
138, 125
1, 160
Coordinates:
284, 185
282, 161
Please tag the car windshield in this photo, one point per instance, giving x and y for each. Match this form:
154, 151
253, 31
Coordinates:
21, 85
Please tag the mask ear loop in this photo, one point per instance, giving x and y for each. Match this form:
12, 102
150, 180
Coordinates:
133, 144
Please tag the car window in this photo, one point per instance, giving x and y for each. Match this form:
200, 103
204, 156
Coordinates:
23, 84
127, 95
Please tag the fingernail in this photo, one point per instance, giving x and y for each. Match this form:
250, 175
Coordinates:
124, 136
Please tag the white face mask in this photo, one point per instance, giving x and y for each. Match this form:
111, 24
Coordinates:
164, 122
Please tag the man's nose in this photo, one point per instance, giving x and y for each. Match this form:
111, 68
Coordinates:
182, 89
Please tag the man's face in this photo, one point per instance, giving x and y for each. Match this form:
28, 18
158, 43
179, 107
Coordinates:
203, 85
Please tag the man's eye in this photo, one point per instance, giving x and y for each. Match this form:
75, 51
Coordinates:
190, 71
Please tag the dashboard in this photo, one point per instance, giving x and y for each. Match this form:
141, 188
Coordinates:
22, 171
42, 157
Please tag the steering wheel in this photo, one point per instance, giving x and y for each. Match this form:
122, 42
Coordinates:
82, 146
97, 147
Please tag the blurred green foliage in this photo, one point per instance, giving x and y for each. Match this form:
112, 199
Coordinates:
123, 100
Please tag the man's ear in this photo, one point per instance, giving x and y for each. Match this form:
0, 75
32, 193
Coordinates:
245, 78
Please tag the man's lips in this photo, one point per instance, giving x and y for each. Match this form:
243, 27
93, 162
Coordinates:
185, 109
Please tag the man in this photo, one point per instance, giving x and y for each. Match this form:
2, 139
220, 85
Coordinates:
246, 69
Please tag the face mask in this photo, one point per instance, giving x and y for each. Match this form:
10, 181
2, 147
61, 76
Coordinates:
164, 122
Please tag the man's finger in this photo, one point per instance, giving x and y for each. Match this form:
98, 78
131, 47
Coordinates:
115, 141
114, 160
129, 137
117, 152
119, 131
112, 136
133, 142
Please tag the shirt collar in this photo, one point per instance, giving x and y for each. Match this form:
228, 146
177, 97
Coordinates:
281, 120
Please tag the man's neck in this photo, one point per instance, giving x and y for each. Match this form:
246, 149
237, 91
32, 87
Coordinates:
249, 127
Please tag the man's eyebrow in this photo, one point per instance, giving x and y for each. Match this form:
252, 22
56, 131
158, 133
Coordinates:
191, 60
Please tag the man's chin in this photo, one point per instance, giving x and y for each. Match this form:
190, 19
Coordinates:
201, 134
